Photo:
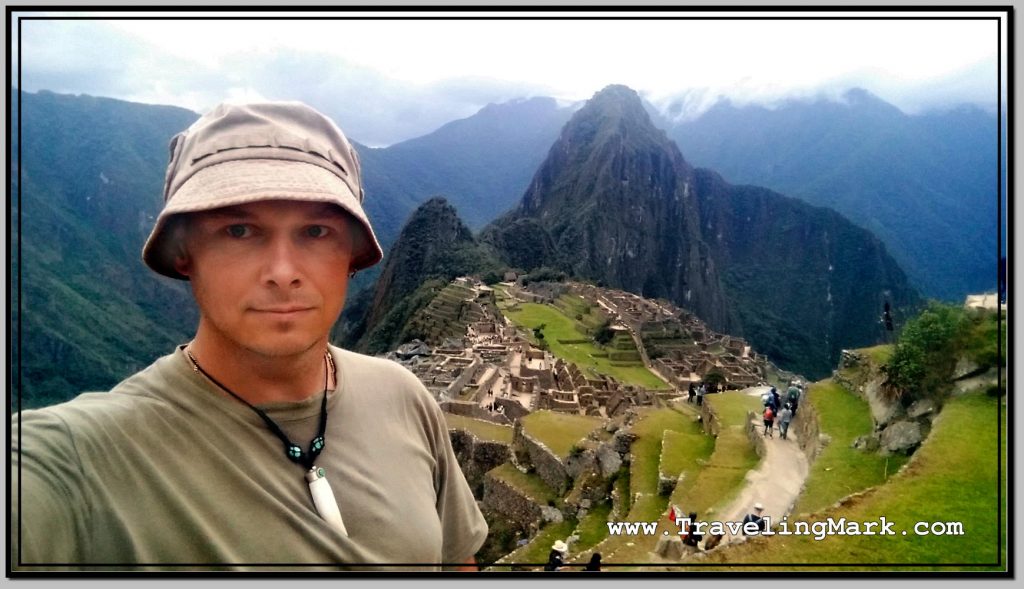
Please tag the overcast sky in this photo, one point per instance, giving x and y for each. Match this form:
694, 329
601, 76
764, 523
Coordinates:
387, 80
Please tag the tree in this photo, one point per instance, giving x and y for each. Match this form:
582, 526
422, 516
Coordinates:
925, 354
604, 333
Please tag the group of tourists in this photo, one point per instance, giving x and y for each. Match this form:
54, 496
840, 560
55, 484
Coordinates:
695, 393
772, 401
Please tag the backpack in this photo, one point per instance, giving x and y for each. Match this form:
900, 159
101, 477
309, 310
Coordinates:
768, 415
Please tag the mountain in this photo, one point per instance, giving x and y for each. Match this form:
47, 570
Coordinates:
433, 244
615, 199
89, 185
615, 203
481, 163
926, 184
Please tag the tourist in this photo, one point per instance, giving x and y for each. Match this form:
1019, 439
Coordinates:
769, 419
793, 397
218, 455
595, 562
692, 392
701, 390
556, 558
756, 518
691, 538
785, 416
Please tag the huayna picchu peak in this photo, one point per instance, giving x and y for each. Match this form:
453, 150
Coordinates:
615, 203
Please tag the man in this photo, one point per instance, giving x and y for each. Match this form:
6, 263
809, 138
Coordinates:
785, 416
257, 443
793, 396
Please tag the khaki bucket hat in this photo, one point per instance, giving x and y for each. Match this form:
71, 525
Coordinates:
242, 153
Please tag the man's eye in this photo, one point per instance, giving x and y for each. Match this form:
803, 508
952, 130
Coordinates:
317, 231
239, 230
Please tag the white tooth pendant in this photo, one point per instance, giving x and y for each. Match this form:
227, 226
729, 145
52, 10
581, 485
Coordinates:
323, 498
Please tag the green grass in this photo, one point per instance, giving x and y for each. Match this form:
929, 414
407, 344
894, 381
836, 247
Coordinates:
841, 470
622, 486
682, 451
483, 430
645, 456
593, 527
559, 431
537, 550
953, 477
878, 355
732, 407
557, 326
725, 471
646, 450
530, 485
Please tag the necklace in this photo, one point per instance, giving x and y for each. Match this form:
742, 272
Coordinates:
323, 497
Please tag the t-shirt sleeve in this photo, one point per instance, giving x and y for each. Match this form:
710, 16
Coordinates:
46, 491
463, 528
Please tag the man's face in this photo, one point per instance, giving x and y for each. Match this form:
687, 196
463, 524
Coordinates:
269, 277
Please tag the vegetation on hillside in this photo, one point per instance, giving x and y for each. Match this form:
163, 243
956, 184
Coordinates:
840, 470
947, 481
931, 343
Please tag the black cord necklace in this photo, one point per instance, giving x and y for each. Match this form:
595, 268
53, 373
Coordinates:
291, 450
323, 497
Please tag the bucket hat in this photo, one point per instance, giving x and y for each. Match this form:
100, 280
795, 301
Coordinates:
560, 546
243, 153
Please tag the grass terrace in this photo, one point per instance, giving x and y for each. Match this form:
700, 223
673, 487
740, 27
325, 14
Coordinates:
592, 529
951, 478
484, 430
646, 453
559, 431
841, 470
724, 472
530, 485
588, 356
537, 550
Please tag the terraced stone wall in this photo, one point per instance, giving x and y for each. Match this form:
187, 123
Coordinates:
503, 499
476, 457
545, 463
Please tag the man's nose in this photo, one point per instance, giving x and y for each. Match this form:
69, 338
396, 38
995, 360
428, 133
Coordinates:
282, 264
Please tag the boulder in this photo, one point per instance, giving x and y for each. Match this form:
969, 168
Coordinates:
883, 411
921, 408
608, 460
965, 367
670, 547
902, 437
550, 514
866, 443
623, 440
849, 359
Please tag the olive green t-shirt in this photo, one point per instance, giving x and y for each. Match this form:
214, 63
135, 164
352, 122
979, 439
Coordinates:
166, 470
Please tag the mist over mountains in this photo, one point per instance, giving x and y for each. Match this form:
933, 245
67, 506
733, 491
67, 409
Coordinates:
90, 179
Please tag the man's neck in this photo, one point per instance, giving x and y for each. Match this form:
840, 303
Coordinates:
261, 379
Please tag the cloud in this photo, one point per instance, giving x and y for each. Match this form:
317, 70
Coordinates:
387, 81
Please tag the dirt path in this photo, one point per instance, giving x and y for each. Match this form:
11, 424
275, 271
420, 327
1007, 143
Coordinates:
776, 482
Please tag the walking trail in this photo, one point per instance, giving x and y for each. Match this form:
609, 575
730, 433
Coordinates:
776, 482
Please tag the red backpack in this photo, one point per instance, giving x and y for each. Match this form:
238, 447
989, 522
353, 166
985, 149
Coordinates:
768, 413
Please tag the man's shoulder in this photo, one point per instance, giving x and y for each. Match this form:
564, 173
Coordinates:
125, 402
384, 374
356, 362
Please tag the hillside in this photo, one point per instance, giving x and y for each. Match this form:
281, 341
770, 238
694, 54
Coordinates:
89, 185
925, 184
616, 204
